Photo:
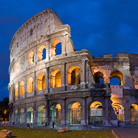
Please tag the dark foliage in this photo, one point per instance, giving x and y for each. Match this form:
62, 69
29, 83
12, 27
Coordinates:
4, 109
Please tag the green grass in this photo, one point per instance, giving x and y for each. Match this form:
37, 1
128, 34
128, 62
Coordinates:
45, 133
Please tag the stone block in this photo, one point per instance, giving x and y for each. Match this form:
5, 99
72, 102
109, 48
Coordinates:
5, 133
61, 130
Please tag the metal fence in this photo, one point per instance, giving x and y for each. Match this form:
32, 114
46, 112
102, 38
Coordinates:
74, 116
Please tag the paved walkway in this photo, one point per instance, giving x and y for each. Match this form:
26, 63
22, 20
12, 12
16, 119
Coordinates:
126, 132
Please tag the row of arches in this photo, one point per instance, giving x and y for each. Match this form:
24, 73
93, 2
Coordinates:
55, 80
74, 112
119, 111
116, 77
56, 49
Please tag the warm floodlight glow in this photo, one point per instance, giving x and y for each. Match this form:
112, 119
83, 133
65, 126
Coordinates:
117, 74
53, 53
74, 113
134, 112
41, 82
55, 78
119, 111
21, 88
74, 75
16, 90
40, 53
31, 58
30, 85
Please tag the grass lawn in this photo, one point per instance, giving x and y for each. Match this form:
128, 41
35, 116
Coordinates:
45, 133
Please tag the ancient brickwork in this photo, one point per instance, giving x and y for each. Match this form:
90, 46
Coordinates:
66, 88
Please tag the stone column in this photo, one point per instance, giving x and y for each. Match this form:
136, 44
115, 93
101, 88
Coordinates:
18, 116
63, 113
106, 79
126, 110
34, 114
47, 80
106, 121
25, 87
13, 119
25, 115
13, 93
13, 115
47, 50
83, 112
63, 76
66, 80
64, 44
34, 83
18, 90
35, 56
83, 74
47, 111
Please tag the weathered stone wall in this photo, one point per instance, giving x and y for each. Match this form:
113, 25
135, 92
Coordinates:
45, 29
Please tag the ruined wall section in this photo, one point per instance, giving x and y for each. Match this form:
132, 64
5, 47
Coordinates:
46, 27
41, 24
134, 68
108, 64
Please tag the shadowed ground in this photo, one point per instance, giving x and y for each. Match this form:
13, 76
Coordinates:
126, 132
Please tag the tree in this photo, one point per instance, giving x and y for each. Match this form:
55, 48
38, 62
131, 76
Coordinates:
4, 109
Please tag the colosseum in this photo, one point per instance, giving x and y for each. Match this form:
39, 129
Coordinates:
52, 82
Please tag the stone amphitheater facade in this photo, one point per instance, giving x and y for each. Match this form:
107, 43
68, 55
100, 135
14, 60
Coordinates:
67, 88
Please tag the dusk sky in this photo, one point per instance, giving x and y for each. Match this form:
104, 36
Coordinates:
101, 26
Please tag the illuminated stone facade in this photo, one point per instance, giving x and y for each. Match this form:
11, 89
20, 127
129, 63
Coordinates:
66, 88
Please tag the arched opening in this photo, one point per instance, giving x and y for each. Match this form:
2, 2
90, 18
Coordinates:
56, 48
17, 66
98, 76
16, 90
74, 75
29, 115
96, 113
21, 116
74, 113
41, 82
55, 78
16, 116
116, 78
41, 115
31, 31
115, 81
119, 111
41, 53
134, 112
21, 88
56, 113
30, 85
31, 58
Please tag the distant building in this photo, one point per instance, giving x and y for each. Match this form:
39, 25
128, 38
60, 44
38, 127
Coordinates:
50, 81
